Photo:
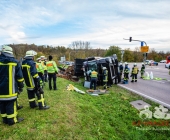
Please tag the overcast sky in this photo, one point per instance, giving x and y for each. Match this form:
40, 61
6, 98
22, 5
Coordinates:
103, 23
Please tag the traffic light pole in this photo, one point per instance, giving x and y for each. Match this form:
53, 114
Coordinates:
144, 54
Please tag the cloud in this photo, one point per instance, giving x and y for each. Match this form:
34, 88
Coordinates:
102, 23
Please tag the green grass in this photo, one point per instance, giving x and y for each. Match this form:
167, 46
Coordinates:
74, 116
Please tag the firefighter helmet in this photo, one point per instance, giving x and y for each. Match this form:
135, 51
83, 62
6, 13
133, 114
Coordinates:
135, 64
7, 49
126, 63
38, 59
31, 53
104, 68
42, 57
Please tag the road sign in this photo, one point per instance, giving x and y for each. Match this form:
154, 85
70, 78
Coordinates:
144, 49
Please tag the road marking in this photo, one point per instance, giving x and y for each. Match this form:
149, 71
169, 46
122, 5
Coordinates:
139, 93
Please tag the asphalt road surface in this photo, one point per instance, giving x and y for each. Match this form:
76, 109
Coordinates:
155, 90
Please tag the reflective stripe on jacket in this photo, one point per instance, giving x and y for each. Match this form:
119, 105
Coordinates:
7, 81
29, 73
51, 67
93, 74
10, 76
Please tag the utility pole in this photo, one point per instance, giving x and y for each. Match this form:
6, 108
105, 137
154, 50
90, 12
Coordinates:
122, 52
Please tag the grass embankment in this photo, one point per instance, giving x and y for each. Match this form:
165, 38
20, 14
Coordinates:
73, 116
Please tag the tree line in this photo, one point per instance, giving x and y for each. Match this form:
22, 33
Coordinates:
82, 50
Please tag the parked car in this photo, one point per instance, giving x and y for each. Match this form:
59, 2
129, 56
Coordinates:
163, 61
152, 63
147, 62
167, 65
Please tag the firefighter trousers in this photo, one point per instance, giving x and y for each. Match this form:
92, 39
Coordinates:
93, 83
52, 76
32, 101
9, 111
134, 77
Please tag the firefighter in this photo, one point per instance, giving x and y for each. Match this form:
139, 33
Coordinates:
134, 73
11, 83
43, 62
121, 70
40, 69
52, 71
33, 81
105, 77
93, 79
126, 73
142, 71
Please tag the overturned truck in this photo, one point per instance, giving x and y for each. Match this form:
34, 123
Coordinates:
111, 63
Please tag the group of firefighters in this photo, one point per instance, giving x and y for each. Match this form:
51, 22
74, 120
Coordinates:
122, 70
14, 75
134, 72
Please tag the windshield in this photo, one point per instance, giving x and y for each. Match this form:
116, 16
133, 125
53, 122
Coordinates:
92, 65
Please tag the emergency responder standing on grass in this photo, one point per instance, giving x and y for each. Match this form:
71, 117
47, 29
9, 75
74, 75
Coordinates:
121, 70
11, 82
33, 81
40, 69
142, 70
43, 62
134, 73
105, 77
52, 71
93, 79
126, 74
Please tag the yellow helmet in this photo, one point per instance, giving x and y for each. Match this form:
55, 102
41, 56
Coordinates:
7, 49
31, 53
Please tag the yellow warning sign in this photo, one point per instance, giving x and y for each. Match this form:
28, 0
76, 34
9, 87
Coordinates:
144, 48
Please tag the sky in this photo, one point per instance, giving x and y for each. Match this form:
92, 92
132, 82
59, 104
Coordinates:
103, 23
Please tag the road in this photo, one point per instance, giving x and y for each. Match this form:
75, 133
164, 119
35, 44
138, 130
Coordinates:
156, 90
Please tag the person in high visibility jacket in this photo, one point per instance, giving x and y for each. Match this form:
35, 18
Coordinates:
52, 71
93, 79
40, 69
142, 70
126, 74
105, 77
134, 73
11, 82
43, 62
33, 81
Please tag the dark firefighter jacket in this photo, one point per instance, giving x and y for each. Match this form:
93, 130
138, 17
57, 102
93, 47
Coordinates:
11, 77
30, 73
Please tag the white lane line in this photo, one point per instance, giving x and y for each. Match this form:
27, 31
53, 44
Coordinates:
158, 81
156, 100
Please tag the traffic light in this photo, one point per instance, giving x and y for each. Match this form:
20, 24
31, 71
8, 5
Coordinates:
130, 39
141, 43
